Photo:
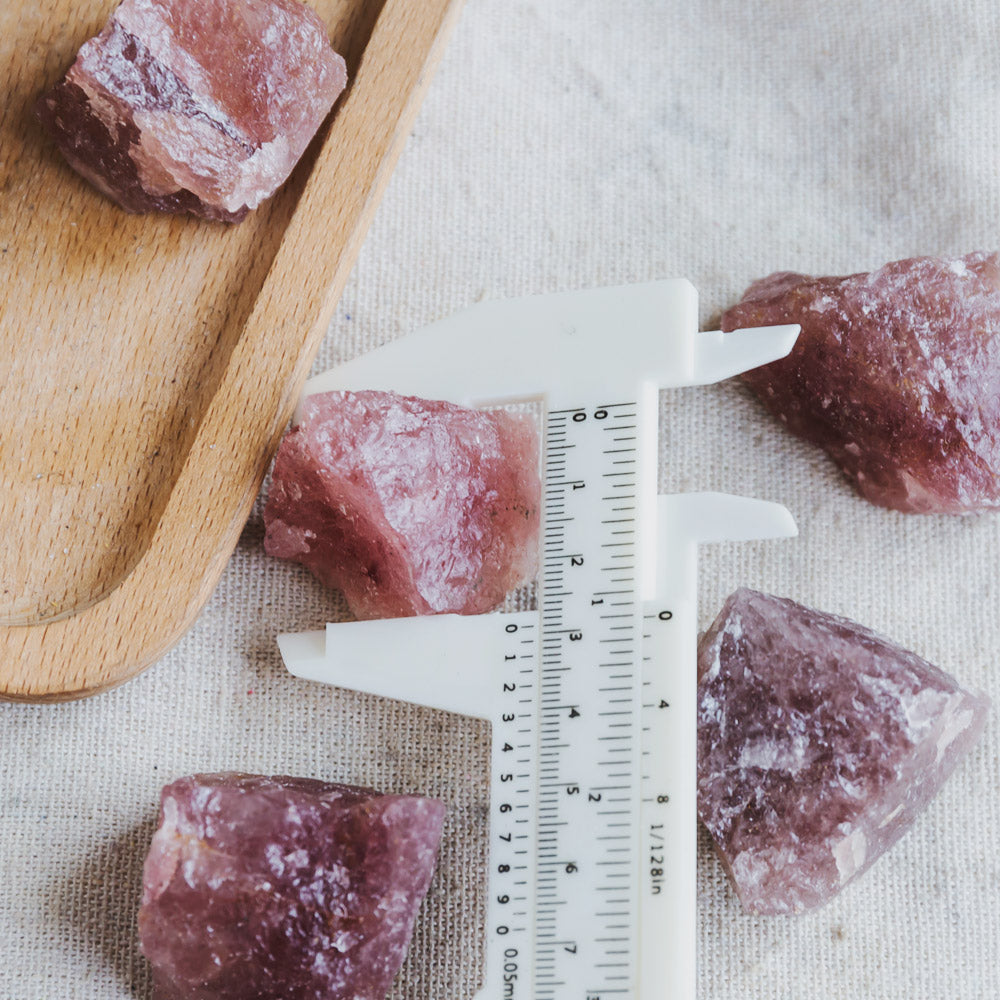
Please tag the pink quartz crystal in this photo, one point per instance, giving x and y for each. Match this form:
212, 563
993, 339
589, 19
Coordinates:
200, 106
283, 888
408, 506
896, 374
818, 743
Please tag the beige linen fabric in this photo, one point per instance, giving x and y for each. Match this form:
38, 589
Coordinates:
567, 143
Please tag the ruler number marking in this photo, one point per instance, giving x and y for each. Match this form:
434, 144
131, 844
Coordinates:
572, 510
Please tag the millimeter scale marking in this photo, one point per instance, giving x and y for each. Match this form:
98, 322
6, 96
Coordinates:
592, 696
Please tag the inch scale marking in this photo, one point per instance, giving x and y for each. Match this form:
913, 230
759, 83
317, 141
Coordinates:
591, 656
591, 891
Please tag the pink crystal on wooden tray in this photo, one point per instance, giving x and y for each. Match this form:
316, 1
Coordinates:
818, 744
200, 106
896, 374
283, 888
408, 506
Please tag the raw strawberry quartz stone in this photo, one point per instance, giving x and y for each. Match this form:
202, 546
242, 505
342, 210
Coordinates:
896, 374
818, 744
408, 506
200, 106
282, 888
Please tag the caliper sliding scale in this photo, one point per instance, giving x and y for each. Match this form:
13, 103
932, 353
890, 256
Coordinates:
591, 697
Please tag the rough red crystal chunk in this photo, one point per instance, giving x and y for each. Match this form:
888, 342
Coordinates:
200, 106
818, 743
896, 374
408, 506
283, 888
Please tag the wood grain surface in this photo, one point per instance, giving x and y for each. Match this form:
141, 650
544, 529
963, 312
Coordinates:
149, 364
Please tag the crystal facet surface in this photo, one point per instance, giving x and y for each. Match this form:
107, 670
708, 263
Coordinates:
200, 106
408, 506
896, 374
283, 888
818, 743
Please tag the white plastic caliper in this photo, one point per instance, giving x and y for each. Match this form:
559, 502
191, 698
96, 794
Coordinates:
592, 696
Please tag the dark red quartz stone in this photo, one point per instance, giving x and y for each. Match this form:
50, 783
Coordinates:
896, 374
283, 888
818, 743
200, 106
408, 506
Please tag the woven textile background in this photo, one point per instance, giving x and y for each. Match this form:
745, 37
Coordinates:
567, 143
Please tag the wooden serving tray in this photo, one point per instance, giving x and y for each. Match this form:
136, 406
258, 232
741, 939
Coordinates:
149, 364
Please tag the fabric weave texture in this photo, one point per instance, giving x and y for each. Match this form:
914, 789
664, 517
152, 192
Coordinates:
564, 145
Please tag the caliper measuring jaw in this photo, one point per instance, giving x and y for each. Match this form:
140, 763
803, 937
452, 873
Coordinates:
592, 840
